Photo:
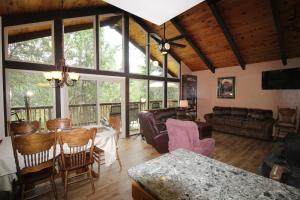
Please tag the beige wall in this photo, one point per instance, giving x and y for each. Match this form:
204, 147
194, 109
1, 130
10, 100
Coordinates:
248, 88
184, 69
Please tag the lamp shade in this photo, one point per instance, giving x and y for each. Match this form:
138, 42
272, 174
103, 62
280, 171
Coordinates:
183, 103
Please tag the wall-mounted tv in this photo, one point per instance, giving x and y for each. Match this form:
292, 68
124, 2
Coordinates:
281, 79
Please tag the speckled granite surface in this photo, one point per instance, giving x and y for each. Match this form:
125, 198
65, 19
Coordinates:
183, 174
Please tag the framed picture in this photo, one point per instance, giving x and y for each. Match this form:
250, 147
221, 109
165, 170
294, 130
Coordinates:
226, 87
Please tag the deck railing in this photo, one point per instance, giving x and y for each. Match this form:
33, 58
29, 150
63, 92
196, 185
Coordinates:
82, 114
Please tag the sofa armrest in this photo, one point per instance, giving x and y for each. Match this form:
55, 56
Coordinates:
161, 142
208, 116
268, 128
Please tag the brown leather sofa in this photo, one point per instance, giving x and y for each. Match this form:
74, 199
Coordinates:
153, 128
256, 123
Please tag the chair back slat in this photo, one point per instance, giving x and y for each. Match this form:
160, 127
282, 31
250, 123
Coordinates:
58, 123
35, 150
77, 141
24, 127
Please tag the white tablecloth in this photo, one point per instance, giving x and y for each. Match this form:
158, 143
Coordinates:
104, 140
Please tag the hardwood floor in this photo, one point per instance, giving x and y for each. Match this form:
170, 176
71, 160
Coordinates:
114, 184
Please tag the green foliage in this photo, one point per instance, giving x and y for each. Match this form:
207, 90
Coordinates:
22, 82
137, 90
110, 92
110, 50
36, 51
83, 92
79, 51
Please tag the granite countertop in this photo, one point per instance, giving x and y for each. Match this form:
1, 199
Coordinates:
183, 174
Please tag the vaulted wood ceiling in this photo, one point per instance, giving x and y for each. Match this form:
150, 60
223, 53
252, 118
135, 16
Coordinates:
250, 24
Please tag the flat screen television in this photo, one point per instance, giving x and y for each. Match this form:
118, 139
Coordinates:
281, 79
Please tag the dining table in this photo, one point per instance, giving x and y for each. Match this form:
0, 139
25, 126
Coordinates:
105, 139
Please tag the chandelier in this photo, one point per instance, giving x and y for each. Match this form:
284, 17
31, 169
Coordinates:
58, 78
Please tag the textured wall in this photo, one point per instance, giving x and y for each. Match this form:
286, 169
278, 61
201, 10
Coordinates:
248, 88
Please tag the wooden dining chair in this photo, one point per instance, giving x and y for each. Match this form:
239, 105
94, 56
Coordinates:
115, 123
58, 123
37, 151
24, 127
76, 154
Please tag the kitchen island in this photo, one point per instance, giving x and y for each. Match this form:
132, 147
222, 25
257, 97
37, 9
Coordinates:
183, 174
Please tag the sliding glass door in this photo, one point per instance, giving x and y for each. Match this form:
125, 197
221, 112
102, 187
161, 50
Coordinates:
83, 103
94, 99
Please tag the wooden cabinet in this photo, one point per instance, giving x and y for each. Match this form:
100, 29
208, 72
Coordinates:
189, 92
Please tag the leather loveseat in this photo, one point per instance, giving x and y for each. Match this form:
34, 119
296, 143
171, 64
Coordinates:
153, 128
256, 123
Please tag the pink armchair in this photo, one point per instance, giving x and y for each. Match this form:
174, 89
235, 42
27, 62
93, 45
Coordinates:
184, 134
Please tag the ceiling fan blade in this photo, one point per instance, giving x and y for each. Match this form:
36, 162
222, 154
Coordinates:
156, 37
177, 45
178, 37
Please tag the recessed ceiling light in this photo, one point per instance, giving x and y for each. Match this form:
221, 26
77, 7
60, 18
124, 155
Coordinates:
155, 11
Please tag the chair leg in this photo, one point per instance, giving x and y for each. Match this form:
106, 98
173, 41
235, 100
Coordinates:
53, 187
99, 166
91, 179
118, 158
22, 191
66, 185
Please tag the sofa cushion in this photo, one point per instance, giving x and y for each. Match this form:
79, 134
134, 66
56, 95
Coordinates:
217, 111
259, 114
234, 121
254, 124
240, 112
162, 115
219, 120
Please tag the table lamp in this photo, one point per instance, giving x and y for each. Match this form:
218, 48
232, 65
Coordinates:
183, 104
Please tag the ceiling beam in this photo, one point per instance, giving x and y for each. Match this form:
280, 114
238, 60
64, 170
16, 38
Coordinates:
216, 12
199, 52
276, 17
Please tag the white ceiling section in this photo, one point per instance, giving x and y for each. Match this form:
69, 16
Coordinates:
155, 11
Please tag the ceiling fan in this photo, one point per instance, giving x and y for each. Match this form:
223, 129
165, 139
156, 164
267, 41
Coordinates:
165, 44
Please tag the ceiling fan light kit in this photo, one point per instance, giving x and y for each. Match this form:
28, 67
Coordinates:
164, 44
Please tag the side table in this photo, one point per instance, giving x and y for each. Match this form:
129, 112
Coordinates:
205, 130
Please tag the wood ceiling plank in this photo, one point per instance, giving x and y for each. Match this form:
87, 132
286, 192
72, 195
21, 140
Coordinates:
15, 7
216, 12
207, 34
251, 24
291, 35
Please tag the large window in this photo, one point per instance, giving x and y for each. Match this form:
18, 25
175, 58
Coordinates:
30, 97
173, 67
110, 42
137, 49
83, 102
96, 95
30, 43
79, 44
173, 94
156, 60
156, 94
